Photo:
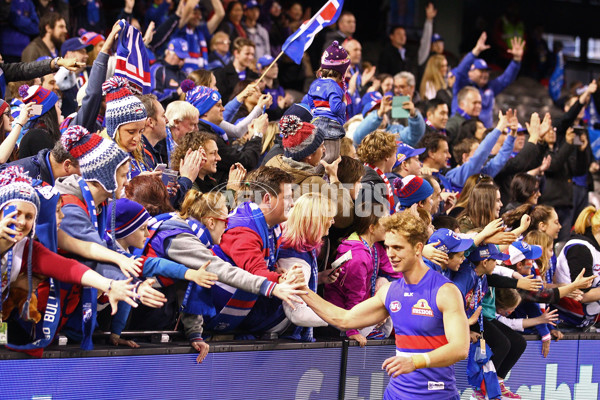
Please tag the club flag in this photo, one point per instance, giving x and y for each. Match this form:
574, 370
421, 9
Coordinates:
132, 59
300, 41
557, 79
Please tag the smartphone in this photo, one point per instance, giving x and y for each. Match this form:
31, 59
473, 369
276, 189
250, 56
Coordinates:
579, 131
36, 109
160, 167
347, 256
397, 110
8, 210
169, 178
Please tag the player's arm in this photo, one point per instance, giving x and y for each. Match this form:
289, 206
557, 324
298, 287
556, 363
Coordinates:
369, 312
449, 302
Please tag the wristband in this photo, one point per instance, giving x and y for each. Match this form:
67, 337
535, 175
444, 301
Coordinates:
18, 123
421, 360
110, 286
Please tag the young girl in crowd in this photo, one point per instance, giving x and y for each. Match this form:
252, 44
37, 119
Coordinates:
309, 221
327, 98
125, 121
358, 277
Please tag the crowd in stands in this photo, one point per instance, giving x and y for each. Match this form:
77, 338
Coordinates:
213, 202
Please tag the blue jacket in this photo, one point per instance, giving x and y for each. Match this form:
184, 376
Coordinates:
489, 92
326, 99
459, 175
24, 22
410, 134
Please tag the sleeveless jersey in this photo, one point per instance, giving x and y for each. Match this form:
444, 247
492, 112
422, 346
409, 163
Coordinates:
419, 329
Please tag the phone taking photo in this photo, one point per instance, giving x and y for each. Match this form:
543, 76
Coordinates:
7, 211
36, 109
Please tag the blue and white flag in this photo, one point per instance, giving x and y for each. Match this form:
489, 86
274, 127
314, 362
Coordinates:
557, 79
300, 41
132, 59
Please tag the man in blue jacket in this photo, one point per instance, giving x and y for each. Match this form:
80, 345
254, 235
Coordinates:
474, 71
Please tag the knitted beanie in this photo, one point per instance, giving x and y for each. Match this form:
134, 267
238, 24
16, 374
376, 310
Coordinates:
129, 217
122, 107
203, 98
98, 158
91, 38
301, 111
38, 95
3, 106
15, 185
412, 189
300, 139
335, 57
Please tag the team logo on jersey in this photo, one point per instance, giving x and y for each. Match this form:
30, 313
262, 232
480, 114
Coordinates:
596, 268
422, 308
395, 306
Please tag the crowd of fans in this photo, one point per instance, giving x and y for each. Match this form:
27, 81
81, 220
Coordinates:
194, 206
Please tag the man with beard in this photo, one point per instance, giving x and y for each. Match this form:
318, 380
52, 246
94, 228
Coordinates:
53, 32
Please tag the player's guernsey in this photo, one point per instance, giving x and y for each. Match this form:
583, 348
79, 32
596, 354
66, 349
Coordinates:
419, 329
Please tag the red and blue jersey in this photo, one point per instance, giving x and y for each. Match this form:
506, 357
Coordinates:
419, 329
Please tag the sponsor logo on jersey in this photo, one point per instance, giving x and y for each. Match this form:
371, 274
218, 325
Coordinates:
422, 308
435, 385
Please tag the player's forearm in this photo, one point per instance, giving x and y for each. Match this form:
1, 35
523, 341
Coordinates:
449, 354
330, 313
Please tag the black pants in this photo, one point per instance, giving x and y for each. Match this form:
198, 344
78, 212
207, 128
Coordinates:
506, 344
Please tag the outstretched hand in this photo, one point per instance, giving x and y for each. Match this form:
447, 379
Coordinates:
517, 49
480, 45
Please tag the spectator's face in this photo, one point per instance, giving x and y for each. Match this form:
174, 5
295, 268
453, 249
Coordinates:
7, 120
59, 213
49, 83
497, 205
275, 9
122, 181
480, 131
387, 85
403, 256
212, 157
273, 72
466, 157
80, 55
437, 47
398, 37
444, 67
472, 103
25, 218
315, 158
235, 15
436, 197
245, 56
413, 166
354, 49
160, 120
519, 142
58, 34
222, 44
217, 224
439, 116
480, 76
213, 82
552, 226
186, 125
440, 157
402, 88
295, 12
281, 205
130, 135
196, 18
347, 25
455, 261
137, 238
551, 136
252, 14
427, 204
215, 114
378, 232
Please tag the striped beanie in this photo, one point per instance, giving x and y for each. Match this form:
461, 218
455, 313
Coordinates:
203, 98
98, 158
300, 139
122, 107
38, 95
3, 106
129, 217
91, 38
412, 189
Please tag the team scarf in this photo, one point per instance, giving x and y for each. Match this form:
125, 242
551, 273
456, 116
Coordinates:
217, 129
390, 192
429, 124
132, 59
463, 113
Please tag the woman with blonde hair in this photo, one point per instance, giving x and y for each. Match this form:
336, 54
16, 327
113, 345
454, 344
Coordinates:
309, 221
434, 77
581, 253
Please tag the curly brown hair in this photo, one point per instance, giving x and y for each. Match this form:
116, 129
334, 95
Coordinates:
377, 146
192, 140
410, 226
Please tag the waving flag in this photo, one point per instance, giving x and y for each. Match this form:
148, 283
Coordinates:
300, 41
132, 59
557, 79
